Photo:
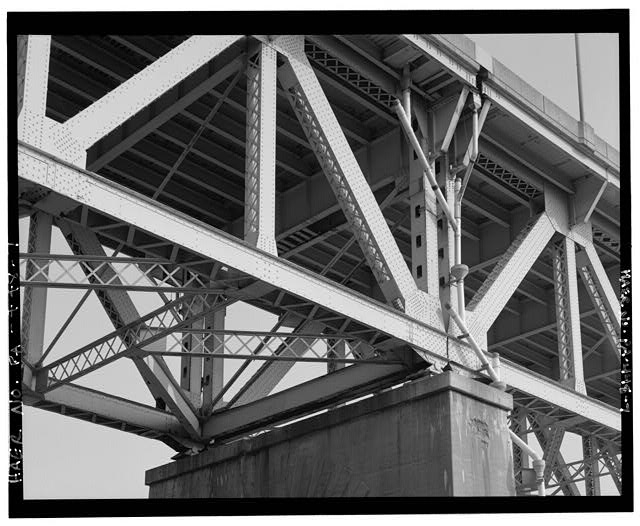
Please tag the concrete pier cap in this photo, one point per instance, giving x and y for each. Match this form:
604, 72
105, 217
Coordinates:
445, 435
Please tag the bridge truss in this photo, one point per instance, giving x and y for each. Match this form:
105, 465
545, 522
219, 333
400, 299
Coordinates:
273, 171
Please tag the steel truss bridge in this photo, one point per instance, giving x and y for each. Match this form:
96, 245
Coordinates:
276, 171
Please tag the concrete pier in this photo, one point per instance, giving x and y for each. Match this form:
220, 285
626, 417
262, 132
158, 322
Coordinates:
439, 436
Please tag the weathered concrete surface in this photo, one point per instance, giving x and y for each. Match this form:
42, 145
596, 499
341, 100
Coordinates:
440, 436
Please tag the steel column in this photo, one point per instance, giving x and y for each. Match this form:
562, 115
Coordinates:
191, 367
336, 349
568, 315
424, 230
34, 304
260, 178
520, 460
591, 466
213, 370
612, 463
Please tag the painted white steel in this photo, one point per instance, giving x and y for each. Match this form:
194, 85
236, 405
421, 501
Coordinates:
274, 372
358, 186
536, 385
260, 185
538, 127
510, 270
568, 315
466, 74
36, 76
195, 236
115, 408
131, 96
610, 299
34, 304
155, 373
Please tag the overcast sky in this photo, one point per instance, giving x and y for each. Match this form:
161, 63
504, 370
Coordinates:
67, 458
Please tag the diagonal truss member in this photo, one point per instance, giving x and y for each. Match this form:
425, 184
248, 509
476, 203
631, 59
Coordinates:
124, 341
508, 272
344, 175
609, 322
550, 440
121, 311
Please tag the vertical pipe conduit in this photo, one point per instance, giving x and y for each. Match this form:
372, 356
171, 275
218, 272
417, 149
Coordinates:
458, 270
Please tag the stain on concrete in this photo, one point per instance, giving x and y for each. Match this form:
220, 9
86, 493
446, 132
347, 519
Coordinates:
479, 428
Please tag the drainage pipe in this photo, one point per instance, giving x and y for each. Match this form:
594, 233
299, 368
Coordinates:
458, 251
538, 463
466, 334
413, 140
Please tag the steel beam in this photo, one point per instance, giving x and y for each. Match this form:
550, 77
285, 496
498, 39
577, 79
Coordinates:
108, 273
302, 399
354, 60
612, 333
34, 303
559, 140
568, 315
540, 387
35, 78
550, 440
133, 95
161, 112
507, 274
193, 236
260, 178
601, 280
345, 177
36, 73
312, 200
107, 409
588, 190
465, 72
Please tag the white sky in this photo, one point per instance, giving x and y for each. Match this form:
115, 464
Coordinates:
67, 458
548, 63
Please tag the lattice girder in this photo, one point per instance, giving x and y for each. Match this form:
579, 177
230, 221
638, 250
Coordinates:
568, 315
